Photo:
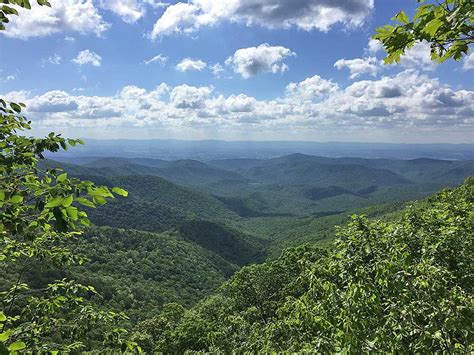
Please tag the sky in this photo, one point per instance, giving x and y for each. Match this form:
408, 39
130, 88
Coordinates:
230, 69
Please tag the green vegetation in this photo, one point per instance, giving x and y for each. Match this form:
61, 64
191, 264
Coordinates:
172, 268
403, 286
40, 212
138, 272
448, 26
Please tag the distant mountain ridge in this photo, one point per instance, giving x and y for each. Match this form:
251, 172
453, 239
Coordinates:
171, 149
295, 184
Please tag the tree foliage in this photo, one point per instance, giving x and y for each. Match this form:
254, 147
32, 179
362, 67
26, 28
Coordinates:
448, 26
7, 10
404, 286
40, 211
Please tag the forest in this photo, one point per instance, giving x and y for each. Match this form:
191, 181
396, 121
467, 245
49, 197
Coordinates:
290, 253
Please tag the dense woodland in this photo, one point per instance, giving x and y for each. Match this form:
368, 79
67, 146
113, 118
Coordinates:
295, 253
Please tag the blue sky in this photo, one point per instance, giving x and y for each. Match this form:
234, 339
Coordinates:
230, 69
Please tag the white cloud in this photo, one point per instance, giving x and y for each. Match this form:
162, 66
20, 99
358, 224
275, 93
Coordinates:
402, 104
238, 103
418, 57
303, 14
63, 16
374, 46
55, 59
262, 59
69, 39
156, 4
159, 59
88, 57
188, 64
53, 101
360, 66
130, 11
189, 97
17, 96
179, 18
217, 69
311, 88
468, 62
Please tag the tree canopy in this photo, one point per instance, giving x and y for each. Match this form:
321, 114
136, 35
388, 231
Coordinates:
399, 286
447, 26
40, 211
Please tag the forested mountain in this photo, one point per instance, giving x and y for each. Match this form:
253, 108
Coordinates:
293, 185
168, 255
404, 171
293, 169
380, 288
173, 149
167, 246
138, 272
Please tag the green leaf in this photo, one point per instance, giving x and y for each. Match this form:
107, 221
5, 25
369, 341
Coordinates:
67, 201
72, 213
3, 317
9, 10
101, 191
55, 202
17, 345
16, 199
432, 26
2, 195
15, 107
86, 222
99, 200
85, 202
4, 337
62, 177
120, 192
402, 17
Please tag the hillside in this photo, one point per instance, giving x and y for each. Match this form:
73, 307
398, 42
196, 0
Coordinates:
300, 166
185, 172
293, 185
137, 272
300, 169
152, 202
415, 271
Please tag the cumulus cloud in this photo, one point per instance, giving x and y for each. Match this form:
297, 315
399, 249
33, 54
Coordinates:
468, 62
407, 102
262, 59
130, 11
418, 57
360, 66
312, 88
53, 101
188, 64
374, 46
88, 57
159, 59
303, 14
63, 16
191, 97
240, 103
